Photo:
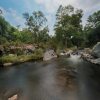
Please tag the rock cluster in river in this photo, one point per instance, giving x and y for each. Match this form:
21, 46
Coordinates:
94, 56
49, 54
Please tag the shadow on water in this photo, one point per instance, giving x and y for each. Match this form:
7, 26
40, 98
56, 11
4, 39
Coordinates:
58, 79
89, 81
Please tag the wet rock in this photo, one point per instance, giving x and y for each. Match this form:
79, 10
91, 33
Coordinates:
68, 53
14, 97
48, 55
94, 56
96, 50
7, 64
87, 50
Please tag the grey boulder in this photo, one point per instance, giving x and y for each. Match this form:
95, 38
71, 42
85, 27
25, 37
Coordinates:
49, 54
96, 50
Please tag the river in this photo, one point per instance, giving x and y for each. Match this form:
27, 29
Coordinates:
57, 79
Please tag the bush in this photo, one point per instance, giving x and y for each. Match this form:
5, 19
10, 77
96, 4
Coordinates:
38, 52
3, 40
9, 59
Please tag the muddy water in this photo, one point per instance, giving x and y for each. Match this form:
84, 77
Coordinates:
58, 79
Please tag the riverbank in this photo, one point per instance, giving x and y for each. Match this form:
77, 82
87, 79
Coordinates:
11, 59
16, 54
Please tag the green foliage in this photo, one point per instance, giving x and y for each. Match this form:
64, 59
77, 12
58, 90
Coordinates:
92, 29
3, 40
68, 23
18, 59
38, 53
3, 26
9, 59
37, 25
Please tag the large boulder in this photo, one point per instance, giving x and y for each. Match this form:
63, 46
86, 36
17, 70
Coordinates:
48, 55
93, 56
96, 50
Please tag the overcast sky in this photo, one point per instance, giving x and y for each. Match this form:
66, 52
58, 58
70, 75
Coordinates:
13, 9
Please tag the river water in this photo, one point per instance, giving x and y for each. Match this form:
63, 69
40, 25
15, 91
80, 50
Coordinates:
58, 79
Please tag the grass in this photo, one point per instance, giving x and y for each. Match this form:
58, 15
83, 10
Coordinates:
18, 59
14, 58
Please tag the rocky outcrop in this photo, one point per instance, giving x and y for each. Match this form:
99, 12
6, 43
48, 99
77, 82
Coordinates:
49, 54
93, 56
24, 49
19, 49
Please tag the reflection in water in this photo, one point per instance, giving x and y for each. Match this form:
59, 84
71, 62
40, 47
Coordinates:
59, 79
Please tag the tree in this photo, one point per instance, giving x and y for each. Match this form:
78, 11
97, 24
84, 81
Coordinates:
92, 29
94, 20
6, 29
36, 24
4, 26
68, 23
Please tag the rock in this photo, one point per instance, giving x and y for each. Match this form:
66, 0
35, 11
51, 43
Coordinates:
7, 64
94, 56
87, 50
96, 50
66, 53
29, 48
97, 61
48, 55
86, 56
14, 97
62, 54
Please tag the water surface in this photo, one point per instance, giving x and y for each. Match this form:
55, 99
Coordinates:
58, 79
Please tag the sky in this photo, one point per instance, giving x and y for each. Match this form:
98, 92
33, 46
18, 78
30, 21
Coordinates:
13, 9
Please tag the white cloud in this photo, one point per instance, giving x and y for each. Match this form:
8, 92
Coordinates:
13, 17
51, 23
52, 5
88, 6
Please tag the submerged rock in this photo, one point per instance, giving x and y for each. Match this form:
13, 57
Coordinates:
48, 55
